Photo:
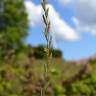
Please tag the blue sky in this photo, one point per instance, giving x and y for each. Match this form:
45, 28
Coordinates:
73, 48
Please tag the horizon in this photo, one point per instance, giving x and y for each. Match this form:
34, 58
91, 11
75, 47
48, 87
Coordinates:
73, 31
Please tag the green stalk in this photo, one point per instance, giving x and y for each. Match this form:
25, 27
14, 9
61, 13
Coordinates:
48, 46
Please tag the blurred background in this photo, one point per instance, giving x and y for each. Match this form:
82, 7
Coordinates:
72, 69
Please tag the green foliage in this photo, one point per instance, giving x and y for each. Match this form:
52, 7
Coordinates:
13, 24
58, 90
25, 73
39, 53
86, 86
54, 71
12, 79
56, 53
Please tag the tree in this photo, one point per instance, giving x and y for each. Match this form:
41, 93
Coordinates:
13, 24
39, 52
56, 53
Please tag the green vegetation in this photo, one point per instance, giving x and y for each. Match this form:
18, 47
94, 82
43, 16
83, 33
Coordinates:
13, 25
21, 66
24, 75
48, 38
39, 53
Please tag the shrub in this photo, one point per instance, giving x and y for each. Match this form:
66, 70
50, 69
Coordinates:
39, 52
56, 53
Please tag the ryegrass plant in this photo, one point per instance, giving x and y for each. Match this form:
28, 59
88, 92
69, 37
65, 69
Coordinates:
48, 38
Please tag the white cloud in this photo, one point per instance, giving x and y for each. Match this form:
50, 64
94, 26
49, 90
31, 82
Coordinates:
34, 13
85, 12
59, 27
